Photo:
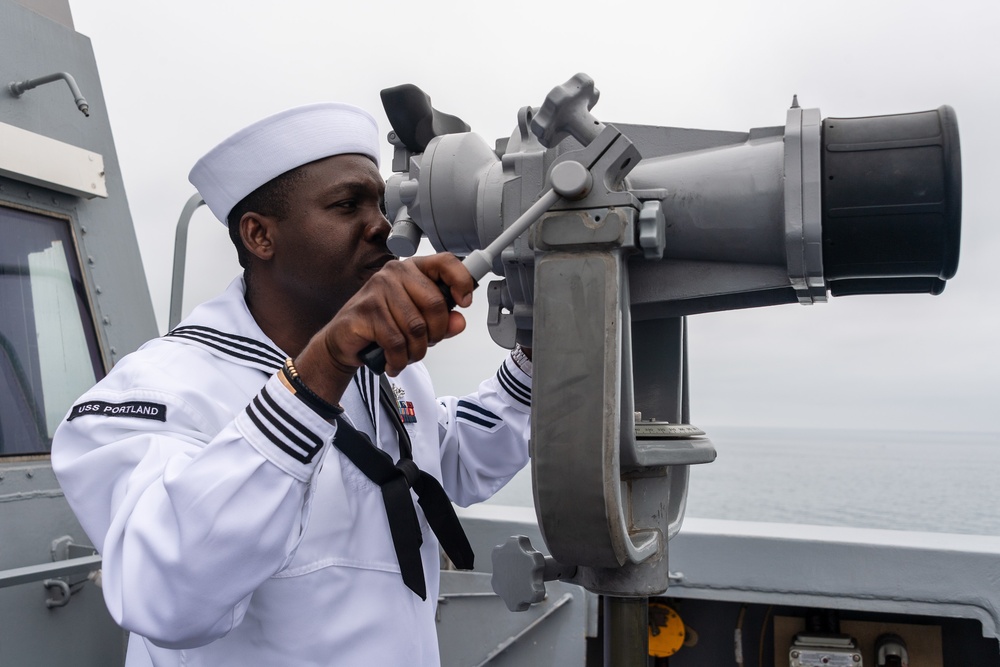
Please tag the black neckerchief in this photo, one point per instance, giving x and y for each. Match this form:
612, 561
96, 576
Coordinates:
396, 480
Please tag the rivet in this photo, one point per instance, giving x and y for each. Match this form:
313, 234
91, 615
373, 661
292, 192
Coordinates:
29, 474
90, 259
98, 289
107, 320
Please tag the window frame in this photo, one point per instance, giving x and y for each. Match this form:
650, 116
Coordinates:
89, 318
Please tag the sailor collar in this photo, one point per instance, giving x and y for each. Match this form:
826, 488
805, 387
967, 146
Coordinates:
224, 327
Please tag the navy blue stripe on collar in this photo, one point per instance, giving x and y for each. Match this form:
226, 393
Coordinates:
364, 379
238, 347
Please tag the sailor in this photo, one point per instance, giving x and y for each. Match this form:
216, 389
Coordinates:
258, 496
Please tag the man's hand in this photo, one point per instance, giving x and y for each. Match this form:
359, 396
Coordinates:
401, 309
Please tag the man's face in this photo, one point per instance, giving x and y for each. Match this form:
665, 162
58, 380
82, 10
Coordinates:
333, 239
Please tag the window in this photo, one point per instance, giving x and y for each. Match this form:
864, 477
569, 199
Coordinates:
48, 347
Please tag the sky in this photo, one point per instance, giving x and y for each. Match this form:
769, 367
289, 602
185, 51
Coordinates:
180, 76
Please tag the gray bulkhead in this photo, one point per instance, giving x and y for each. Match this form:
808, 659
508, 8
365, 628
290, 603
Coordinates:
50, 155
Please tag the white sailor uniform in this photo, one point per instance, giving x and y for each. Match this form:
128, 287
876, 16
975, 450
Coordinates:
251, 540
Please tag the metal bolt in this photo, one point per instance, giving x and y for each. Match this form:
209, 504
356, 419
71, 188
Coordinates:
856, 657
795, 654
29, 474
107, 320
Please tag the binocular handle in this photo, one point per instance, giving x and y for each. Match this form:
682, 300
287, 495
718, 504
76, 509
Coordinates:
478, 263
569, 179
373, 356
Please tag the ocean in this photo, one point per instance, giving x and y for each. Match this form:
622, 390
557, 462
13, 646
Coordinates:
897, 480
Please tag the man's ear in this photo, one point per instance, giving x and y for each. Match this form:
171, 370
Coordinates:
257, 233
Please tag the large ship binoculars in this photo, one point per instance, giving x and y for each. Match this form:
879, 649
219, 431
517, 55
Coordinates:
633, 227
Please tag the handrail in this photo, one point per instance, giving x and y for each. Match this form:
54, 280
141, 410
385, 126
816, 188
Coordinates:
62, 568
180, 259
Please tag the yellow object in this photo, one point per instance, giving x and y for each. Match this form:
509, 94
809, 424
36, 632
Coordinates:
666, 630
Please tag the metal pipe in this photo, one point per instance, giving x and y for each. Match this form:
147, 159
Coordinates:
480, 262
18, 88
180, 260
62, 568
626, 632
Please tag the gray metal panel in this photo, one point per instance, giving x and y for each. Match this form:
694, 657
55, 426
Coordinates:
475, 628
33, 46
488, 526
858, 569
840, 568
57, 10
33, 513
80, 633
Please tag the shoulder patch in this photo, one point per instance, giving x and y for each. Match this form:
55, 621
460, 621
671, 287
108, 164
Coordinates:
140, 409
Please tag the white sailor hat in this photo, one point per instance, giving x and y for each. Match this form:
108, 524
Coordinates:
279, 143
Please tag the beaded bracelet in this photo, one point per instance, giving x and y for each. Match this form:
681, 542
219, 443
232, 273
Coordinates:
306, 395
